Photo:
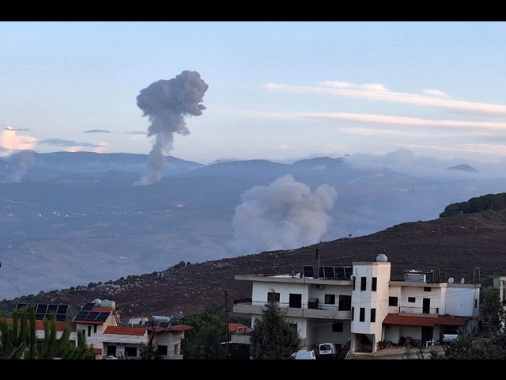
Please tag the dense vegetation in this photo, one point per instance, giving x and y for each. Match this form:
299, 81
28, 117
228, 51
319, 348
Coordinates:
477, 204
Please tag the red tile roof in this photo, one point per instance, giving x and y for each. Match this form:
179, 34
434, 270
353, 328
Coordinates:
418, 320
136, 331
239, 328
39, 324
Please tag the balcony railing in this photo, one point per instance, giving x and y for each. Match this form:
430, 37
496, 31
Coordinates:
323, 312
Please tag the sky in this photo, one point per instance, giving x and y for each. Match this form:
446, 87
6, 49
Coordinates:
269, 90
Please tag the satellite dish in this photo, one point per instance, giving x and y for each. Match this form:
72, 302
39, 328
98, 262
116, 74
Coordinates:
451, 280
462, 280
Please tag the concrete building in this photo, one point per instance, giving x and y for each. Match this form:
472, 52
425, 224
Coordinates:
361, 304
100, 322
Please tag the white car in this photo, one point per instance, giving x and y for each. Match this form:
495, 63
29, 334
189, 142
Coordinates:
450, 335
303, 355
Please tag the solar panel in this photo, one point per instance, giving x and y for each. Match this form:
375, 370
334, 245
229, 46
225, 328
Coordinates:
92, 315
46, 311
103, 316
62, 309
88, 306
82, 315
85, 315
328, 272
308, 271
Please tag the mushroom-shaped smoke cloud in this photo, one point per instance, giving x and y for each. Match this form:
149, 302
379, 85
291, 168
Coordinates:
167, 103
283, 215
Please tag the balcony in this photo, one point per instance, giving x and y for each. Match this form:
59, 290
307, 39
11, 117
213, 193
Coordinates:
323, 312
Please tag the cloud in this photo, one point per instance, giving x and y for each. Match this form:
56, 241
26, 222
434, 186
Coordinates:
10, 141
283, 215
97, 131
379, 92
73, 146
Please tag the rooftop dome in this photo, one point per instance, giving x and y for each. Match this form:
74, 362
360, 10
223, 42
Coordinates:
381, 258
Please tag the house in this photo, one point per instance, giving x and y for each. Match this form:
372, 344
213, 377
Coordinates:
99, 320
361, 305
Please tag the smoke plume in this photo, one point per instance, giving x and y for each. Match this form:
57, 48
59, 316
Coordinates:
167, 103
283, 215
17, 165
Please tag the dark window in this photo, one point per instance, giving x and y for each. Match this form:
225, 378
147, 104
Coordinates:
411, 299
475, 303
427, 289
131, 352
374, 283
330, 299
393, 301
363, 283
362, 314
163, 350
373, 315
352, 313
295, 300
111, 350
353, 280
344, 303
338, 327
272, 297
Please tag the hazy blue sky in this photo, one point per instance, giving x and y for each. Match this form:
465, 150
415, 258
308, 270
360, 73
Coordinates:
277, 90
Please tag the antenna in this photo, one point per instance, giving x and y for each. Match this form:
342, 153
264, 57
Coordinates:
451, 280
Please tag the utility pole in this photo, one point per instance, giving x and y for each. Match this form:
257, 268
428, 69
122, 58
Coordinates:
227, 334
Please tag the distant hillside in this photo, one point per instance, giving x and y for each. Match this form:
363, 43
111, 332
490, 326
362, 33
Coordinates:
71, 219
468, 246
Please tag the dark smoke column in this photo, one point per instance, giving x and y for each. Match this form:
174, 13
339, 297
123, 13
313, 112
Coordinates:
167, 103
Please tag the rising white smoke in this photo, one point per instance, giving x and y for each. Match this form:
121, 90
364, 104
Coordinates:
16, 166
167, 103
283, 215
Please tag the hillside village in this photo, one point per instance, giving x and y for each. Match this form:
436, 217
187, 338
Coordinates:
355, 309
447, 265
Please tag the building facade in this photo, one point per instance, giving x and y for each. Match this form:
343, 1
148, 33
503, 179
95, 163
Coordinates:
359, 306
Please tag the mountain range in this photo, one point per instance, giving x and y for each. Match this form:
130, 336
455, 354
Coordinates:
73, 219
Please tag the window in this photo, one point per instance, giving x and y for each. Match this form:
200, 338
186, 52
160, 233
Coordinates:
352, 313
411, 299
338, 327
362, 314
295, 300
363, 283
353, 280
131, 352
393, 301
272, 297
373, 315
374, 283
330, 299
475, 303
344, 303
111, 350
427, 289
163, 350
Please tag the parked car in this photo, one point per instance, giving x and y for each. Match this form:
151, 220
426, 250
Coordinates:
303, 354
450, 335
327, 351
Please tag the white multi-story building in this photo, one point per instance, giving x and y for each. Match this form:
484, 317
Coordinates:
363, 306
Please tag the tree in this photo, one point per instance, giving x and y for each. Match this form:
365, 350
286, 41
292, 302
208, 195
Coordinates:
491, 310
273, 336
204, 340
